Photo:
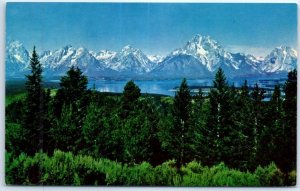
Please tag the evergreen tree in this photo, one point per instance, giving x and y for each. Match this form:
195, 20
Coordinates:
197, 110
130, 97
243, 120
35, 104
65, 132
257, 96
198, 126
221, 133
73, 91
73, 85
288, 162
181, 132
271, 139
139, 131
73, 98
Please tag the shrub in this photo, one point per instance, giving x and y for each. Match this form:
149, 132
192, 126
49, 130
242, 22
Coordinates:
270, 175
60, 169
140, 175
166, 174
219, 175
292, 178
14, 173
87, 172
66, 169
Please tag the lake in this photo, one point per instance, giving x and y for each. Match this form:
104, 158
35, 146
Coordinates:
169, 87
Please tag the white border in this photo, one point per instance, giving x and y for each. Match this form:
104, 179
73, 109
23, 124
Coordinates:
2, 102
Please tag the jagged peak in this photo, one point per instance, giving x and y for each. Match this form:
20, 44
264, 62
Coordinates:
128, 47
203, 39
287, 50
16, 43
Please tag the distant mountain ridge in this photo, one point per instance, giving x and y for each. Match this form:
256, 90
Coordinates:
198, 58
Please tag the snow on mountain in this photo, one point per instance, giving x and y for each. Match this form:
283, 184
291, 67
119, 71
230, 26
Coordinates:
156, 58
281, 59
198, 58
206, 50
104, 55
208, 53
59, 61
180, 66
130, 61
17, 58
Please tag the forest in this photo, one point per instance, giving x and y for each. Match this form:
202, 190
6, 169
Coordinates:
73, 135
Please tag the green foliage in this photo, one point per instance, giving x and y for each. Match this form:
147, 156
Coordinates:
166, 174
220, 175
14, 138
290, 119
66, 169
221, 136
131, 92
130, 97
59, 169
271, 142
181, 132
140, 175
34, 121
68, 111
17, 97
270, 175
65, 131
292, 178
14, 170
243, 152
231, 128
73, 85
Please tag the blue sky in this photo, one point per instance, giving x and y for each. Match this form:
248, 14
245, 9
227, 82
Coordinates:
153, 28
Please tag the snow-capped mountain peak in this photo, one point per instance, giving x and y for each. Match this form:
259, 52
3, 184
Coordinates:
104, 55
206, 50
128, 49
280, 59
17, 58
17, 50
156, 58
132, 60
200, 57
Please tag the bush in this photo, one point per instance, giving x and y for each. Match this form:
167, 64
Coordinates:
66, 169
14, 172
220, 175
88, 172
14, 138
292, 178
166, 174
270, 175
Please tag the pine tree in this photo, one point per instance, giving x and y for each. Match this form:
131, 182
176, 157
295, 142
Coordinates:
257, 96
130, 97
271, 137
198, 126
73, 91
35, 103
73, 97
243, 119
181, 136
288, 162
221, 133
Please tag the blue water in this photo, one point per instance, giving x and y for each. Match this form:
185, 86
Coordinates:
168, 87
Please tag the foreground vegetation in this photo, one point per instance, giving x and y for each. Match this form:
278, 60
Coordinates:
67, 169
198, 140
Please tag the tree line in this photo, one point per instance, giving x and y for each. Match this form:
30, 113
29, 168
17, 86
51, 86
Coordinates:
230, 125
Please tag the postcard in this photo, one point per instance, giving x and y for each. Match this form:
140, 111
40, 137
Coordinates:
151, 94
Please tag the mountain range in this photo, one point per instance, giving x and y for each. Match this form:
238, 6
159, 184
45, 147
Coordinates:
200, 57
